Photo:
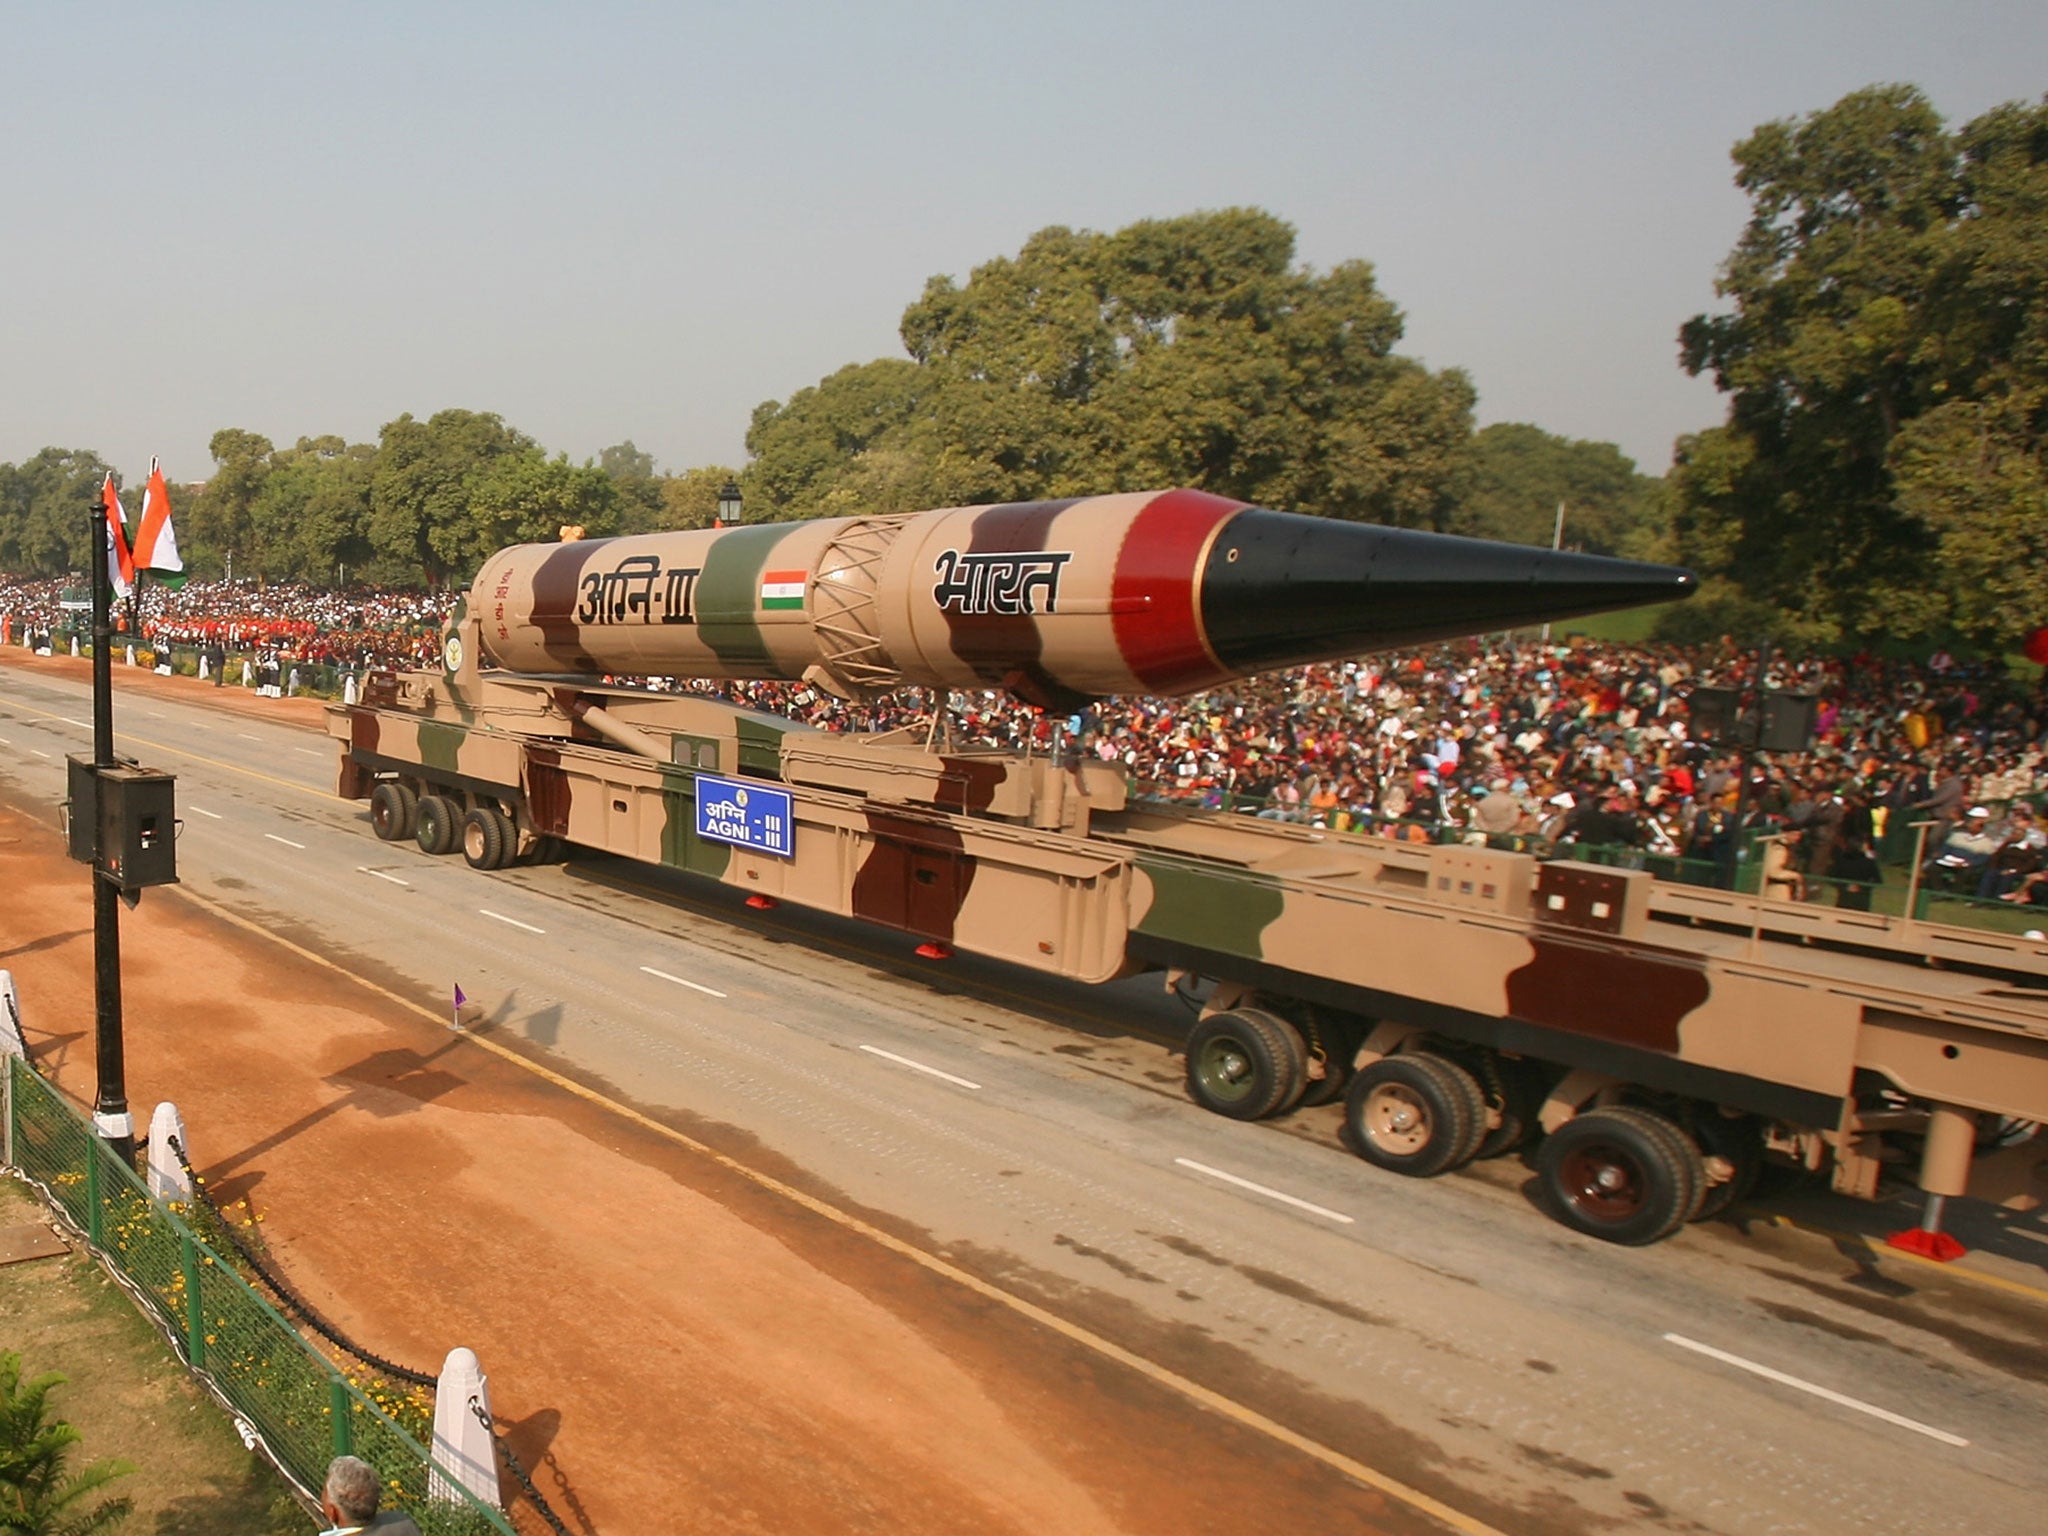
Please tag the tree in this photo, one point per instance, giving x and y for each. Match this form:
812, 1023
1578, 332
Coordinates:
221, 520
640, 489
38, 1496
423, 486
311, 516
1881, 467
1518, 474
1186, 351
688, 500
528, 498
44, 504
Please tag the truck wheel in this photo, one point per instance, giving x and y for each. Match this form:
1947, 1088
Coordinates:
1739, 1141
1246, 1064
486, 838
1623, 1175
438, 825
393, 811
1415, 1114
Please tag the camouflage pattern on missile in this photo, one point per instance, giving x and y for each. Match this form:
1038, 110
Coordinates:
1158, 593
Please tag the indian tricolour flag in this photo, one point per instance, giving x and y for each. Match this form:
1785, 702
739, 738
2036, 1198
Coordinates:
782, 589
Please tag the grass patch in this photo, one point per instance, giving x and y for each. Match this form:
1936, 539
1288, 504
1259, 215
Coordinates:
129, 1396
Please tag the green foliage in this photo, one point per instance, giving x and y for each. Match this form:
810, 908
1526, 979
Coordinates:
640, 489
1186, 351
1881, 470
688, 500
1518, 475
38, 1495
45, 506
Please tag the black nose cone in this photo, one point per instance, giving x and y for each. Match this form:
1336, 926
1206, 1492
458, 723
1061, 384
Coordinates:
1280, 589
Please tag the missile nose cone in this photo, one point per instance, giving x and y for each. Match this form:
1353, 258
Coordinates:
1280, 589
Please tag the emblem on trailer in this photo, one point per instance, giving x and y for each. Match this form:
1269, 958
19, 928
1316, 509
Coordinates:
451, 653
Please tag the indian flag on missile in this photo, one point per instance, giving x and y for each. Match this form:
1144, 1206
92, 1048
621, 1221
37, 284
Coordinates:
782, 589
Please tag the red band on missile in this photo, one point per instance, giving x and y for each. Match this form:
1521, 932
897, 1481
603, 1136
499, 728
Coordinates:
1155, 597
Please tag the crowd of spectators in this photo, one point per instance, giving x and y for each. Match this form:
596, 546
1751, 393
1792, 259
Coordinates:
1517, 743
350, 627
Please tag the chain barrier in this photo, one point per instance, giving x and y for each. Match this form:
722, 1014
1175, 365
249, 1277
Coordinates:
292, 1300
14, 1025
533, 1494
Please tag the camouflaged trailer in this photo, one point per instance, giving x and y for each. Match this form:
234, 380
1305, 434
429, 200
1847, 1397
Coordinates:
1657, 1042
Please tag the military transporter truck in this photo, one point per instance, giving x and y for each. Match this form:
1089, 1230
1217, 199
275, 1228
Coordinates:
1659, 1040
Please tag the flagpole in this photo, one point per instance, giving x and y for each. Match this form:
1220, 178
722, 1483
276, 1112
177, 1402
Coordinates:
110, 1117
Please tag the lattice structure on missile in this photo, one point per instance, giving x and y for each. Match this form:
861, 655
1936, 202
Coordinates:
845, 613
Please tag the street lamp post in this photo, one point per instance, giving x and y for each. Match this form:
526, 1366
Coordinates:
730, 511
110, 1117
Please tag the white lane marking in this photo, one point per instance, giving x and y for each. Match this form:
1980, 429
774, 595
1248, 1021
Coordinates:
681, 981
286, 841
365, 869
1806, 1386
155, 714
309, 751
4, 742
1260, 1189
918, 1066
39, 752
501, 917
247, 737
202, 810
83, 725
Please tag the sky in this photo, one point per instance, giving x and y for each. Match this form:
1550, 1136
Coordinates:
610, 221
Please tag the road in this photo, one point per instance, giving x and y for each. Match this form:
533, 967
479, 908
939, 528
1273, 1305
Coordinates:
1743, 1377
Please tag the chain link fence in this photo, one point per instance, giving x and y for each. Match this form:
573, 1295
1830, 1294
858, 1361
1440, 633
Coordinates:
301, 1408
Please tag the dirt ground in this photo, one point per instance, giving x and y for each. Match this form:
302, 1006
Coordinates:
674, 1346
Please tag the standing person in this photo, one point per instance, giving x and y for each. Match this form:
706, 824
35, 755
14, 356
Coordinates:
350, 1498
1944, 803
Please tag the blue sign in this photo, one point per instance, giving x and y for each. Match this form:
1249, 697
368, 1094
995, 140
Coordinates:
747, 814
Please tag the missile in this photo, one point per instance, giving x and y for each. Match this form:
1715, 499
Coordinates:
1162, 592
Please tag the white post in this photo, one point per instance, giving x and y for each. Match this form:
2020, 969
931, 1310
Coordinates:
167, 1180
131, 655
74, 646
1556, 542
204, 674
463, 1451
348, 689
12, 1041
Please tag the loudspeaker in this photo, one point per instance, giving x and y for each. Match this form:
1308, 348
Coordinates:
1788, 722
1713, 714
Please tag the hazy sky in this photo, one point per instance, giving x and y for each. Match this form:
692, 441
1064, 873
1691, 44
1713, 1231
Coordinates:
608, 220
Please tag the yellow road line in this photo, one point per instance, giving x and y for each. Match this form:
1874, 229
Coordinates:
1875, 1250
1194, 1391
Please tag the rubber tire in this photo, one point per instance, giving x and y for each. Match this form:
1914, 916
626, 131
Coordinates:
547, 850
394, 811
438, 825
1245, 1064
487, 838
1659, 1169
1399, 1097
1742, 1143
